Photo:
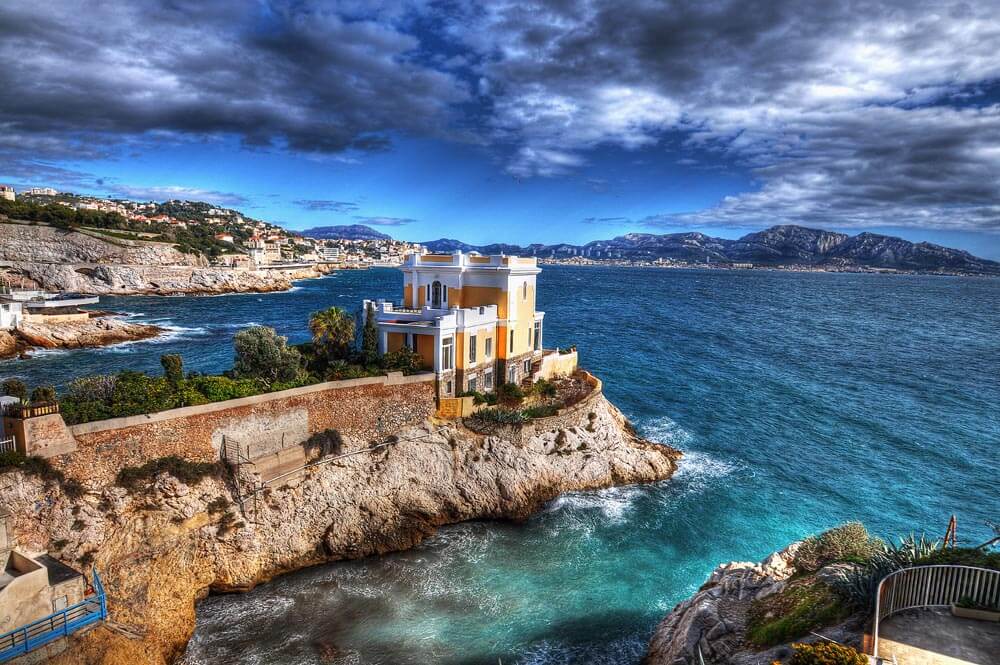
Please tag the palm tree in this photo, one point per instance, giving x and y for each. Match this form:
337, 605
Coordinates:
332, 332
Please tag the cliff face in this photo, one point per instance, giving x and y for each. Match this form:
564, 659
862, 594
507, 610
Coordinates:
94, 332
161, 549
85, 262
35, 243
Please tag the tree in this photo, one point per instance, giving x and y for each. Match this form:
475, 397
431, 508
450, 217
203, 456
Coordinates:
15, 388
173, 368
43, 394
333, 332
369, 338
261, 353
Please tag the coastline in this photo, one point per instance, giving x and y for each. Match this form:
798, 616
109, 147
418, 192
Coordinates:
162, 546
764, 268
102, 329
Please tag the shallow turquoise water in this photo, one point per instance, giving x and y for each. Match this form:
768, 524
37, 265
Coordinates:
801, 400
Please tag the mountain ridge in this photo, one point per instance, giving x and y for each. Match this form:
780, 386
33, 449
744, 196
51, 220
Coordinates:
787, 244
345, 232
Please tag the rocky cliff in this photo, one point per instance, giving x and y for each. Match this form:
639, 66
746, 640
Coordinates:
162, 547
87, 262
714, 621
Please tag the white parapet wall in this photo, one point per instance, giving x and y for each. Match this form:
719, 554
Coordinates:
556, 364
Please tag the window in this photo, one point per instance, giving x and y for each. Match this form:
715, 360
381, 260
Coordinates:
444, 294
472, 384
447, 353
488, 347
472, 348
527, 366
511, 374
538, 335
488, 380
436, 295
59, 603
510, 349
428, 297
447, 388
524, 291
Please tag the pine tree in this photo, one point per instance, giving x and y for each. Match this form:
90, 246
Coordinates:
369, 338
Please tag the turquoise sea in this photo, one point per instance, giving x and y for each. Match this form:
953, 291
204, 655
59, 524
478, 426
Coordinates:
801, 400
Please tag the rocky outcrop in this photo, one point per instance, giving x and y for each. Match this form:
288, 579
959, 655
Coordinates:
161, 549
89, 333
714, 620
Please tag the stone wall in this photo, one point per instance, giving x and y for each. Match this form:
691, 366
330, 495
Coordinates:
41, 436
361, 410
556, 364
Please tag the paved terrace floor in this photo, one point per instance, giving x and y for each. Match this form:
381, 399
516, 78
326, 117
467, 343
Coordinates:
935, 637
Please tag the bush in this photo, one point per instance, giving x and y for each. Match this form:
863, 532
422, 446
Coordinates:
44, 395
339, 370
544, 388
962, 556
479, 398
847, 542
858, 585
510, 393
404, 360
187, 472
498, 416
826, 653
261, 353
221, 388
15, 388
541, 411
173, 368
800, 608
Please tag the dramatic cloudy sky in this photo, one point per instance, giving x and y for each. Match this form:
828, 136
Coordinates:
519, 121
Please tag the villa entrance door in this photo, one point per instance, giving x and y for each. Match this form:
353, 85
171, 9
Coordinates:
436, 295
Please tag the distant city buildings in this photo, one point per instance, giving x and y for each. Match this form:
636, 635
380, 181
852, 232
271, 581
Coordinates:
7, 192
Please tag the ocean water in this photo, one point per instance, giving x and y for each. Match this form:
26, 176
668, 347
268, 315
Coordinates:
800, 400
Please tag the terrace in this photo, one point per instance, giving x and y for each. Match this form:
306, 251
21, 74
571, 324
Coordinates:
915, 622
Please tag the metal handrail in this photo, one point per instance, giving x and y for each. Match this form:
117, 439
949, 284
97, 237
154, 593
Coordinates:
936, 585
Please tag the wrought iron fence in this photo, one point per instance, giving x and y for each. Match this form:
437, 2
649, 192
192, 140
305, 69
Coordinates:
933, 586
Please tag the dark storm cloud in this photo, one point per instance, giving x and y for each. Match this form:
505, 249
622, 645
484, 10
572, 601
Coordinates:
327, 205
285, 74
848, 112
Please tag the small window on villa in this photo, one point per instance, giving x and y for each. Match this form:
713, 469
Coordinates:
488, 347
447, 353
527, 366
524, 291
472, 384
510, 348
472, 349
511, 374
447, 388
488, 380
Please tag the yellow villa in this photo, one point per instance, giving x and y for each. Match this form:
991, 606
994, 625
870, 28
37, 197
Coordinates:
471, 318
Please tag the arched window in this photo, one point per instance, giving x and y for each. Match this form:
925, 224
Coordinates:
524, 291
436, 295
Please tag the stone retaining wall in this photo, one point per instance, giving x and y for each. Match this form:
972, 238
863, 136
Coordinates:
361, 410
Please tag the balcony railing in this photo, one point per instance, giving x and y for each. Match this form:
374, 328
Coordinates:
25, 411
933, 586
59, 624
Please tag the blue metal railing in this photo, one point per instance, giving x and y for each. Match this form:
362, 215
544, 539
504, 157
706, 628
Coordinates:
65, 622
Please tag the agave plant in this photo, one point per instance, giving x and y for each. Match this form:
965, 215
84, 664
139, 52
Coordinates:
859, 585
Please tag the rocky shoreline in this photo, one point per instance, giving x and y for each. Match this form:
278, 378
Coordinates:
101, 329
714, 621
161, 548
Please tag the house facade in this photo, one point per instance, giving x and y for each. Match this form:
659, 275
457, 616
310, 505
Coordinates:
470, 318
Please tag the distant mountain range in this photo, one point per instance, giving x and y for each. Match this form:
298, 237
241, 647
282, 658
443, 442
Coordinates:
345, 232
787, 245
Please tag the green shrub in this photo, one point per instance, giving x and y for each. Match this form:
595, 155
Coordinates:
792, 613
541, 411
173, 367
544, 388
847, 542
403, 360
187, 472
44, 395
479, 398
826, 653
340, 370
858, 585
221, 388
261, 353
962, 556
509, 393
15, 388
498, 416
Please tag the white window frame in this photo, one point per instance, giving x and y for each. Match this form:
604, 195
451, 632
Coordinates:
472, 348
470, 385
488, 380
488, 347
448, 353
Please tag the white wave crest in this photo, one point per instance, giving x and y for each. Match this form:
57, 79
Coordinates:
665, 430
